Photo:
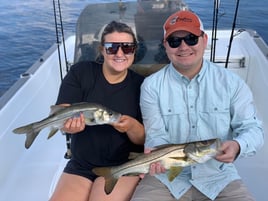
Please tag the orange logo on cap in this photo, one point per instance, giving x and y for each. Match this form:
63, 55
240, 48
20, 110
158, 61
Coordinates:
173, 20
177, 18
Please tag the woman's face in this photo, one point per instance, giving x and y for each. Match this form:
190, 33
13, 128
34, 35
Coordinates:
115, 60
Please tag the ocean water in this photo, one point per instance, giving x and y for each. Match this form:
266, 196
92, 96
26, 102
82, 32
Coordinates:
27, 28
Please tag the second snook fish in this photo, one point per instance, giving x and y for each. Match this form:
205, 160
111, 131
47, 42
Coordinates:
173, 157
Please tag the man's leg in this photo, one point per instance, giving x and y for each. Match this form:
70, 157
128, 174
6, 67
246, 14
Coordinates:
150, 189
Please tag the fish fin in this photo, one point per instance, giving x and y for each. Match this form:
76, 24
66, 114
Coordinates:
173, 172
102, 171
31, 133
133, 174
161, 146
179, 158
79, 103
133, 155
52, 132
56, 108
23, 129
110, 181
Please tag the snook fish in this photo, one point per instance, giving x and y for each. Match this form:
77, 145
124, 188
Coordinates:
173, 157
95, 114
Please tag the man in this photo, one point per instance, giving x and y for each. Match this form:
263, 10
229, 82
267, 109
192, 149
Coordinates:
192, 99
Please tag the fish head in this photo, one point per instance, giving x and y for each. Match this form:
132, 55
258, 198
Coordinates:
105, 116
203, 151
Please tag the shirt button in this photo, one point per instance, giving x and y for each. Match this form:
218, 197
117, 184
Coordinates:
193, 126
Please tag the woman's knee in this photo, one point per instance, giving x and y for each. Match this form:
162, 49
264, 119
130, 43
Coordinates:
71, 187
122, 191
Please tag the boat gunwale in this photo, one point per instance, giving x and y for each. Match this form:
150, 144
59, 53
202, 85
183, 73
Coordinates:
24, 77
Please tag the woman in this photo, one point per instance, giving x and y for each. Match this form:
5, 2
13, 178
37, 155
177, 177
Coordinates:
113, 85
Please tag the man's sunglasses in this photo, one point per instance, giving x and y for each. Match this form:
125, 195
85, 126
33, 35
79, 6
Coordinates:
127, 48
190, 40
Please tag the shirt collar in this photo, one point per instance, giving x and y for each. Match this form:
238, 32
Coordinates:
177, 75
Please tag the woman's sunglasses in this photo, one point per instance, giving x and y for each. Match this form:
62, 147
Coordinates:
190, 40
127, 48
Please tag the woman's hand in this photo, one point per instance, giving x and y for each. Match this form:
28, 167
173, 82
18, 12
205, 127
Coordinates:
133, 128
75, 124
124, 124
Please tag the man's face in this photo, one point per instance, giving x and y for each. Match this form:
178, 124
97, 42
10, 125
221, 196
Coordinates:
186, 51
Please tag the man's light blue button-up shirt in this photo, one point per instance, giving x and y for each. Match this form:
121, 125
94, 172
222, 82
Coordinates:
216, 103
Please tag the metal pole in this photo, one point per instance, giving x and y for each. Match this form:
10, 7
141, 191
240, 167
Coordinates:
232, 34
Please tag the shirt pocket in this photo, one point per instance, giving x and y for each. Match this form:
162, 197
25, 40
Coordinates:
214, 120
176, 121
209, 169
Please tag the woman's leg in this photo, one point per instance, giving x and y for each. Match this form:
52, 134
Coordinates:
122, 191
72, 187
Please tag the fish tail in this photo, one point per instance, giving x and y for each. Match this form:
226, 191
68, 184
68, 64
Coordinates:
110, 180
30, 131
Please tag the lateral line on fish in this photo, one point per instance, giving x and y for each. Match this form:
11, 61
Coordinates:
120, 169
62, 115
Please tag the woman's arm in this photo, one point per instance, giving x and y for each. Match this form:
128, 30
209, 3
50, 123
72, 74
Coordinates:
132, 127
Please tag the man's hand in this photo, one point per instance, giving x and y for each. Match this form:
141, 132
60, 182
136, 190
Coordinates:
228, 151
156, 167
